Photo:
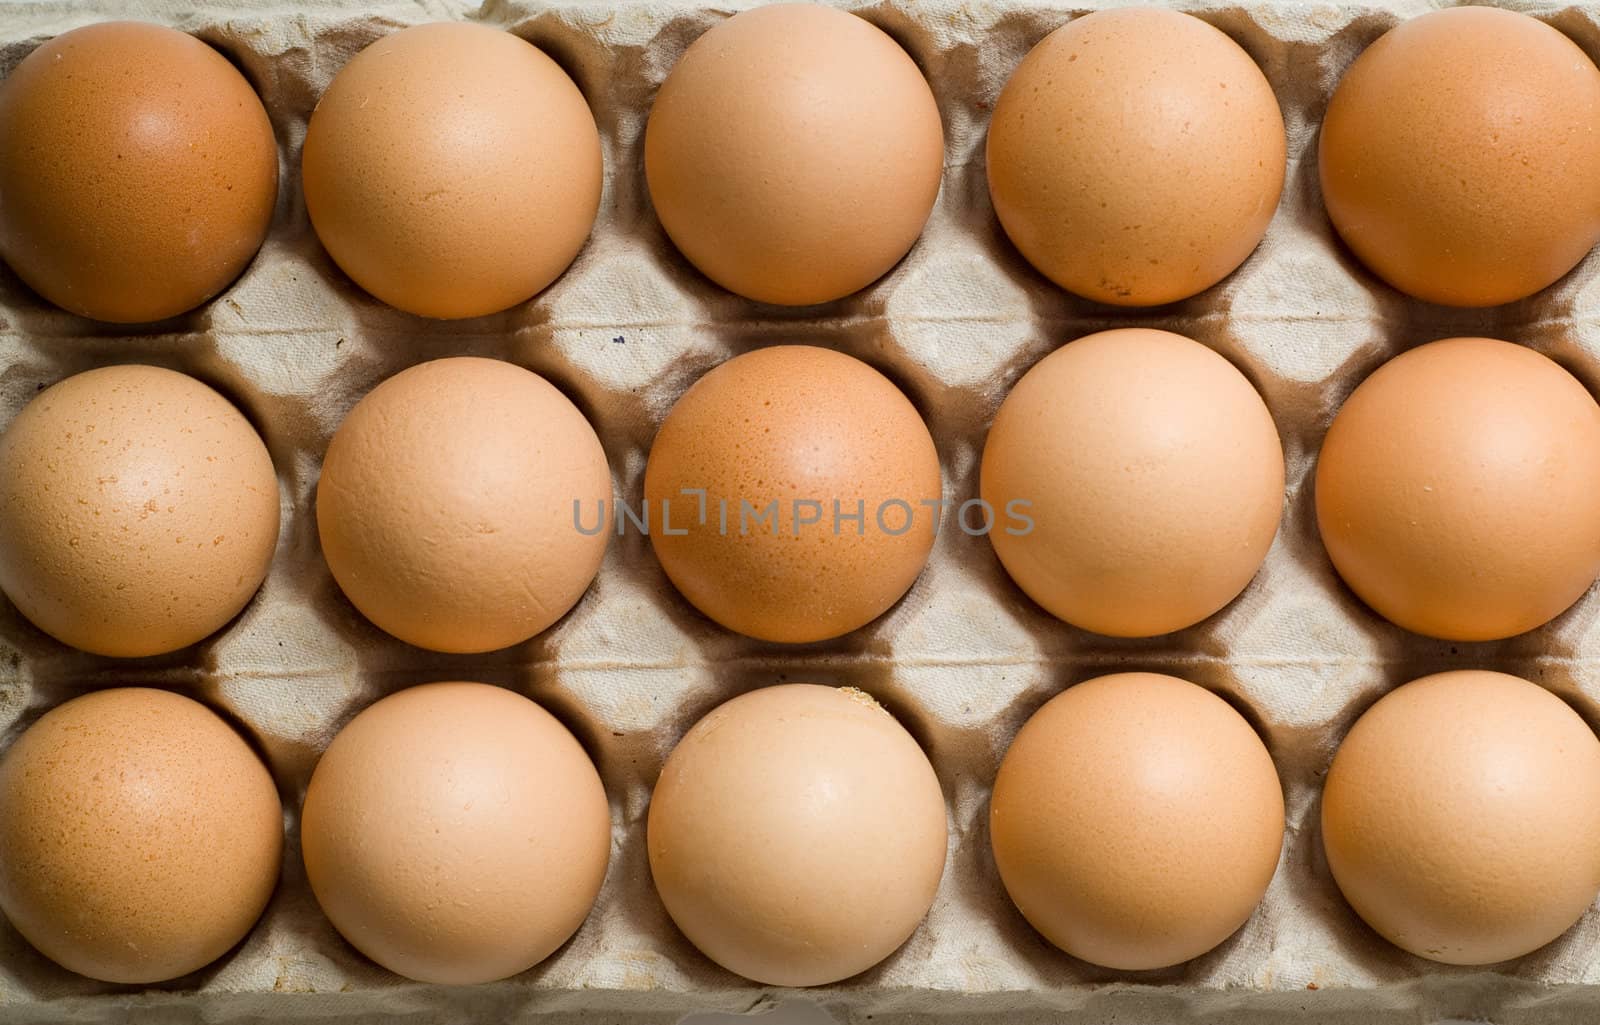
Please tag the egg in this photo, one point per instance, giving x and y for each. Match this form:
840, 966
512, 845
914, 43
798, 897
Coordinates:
464, 505
455, 833
138, 171
1461, 817
1458, 490
1136, 156
138, 511
794, 153
1445, 146
140, 836
1136, 821
1136, 479
796, 492
797, 834
452, 170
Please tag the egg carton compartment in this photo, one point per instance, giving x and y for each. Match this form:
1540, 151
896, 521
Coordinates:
962, 660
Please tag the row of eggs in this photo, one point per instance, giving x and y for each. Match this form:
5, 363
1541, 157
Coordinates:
1131, 484
793, 155
458, 833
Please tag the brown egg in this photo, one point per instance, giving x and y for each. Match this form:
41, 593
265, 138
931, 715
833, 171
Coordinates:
795, 492
1136, 156
797, 835
138, 171
1136, 478
1136, 821
1461, 817
452, 170
138, 511
456, 833
794, 153
1459, 157
140, 836
464, 505
1458, 490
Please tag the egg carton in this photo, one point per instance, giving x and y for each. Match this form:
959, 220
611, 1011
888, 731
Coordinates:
962, 660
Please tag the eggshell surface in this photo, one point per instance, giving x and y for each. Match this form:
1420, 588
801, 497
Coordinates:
1458, 489
794, 153
452, 170
140, 836
1151, 476
1461, 817
1136, 156
446, 505
1136, 820
797, 834
138, 511
455, 833
1459, 159
138, 171
748, 471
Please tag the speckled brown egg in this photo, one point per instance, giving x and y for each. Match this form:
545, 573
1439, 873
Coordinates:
795, 492
464, 505
456, 833
1461, 817
138, 171
794, 153
1136, 480
1458, 490
797, 834
1136, 156
138, 511
140, 836
452, 170
1136, 821
1459, 156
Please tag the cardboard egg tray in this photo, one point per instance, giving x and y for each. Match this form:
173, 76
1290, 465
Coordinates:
962, 660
